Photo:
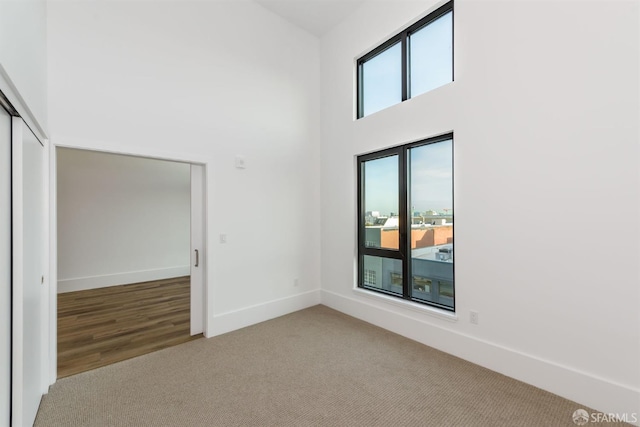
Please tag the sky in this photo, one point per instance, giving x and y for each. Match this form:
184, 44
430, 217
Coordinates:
430, 177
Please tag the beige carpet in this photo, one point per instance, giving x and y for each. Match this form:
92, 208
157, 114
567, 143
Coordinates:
316, 367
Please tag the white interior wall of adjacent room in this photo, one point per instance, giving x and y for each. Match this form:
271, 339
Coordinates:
544, 109
206, 82
121, 219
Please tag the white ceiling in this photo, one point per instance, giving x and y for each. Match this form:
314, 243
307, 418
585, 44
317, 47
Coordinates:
315, 16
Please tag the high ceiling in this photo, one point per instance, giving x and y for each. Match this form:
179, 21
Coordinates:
314, 16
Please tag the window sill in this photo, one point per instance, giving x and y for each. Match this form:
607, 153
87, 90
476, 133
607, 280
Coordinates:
414, 306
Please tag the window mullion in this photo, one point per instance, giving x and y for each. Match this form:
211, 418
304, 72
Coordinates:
381, 252
403, 220
405, 66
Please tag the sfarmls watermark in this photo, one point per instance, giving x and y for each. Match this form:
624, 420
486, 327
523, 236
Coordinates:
582, 417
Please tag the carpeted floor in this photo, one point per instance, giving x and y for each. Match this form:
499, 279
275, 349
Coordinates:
315, 367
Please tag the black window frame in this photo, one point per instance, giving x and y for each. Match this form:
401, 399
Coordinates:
403, 253
404, 39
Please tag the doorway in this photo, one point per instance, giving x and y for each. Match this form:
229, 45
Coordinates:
130, 248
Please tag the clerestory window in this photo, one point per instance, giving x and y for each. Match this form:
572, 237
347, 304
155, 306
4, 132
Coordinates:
413, 62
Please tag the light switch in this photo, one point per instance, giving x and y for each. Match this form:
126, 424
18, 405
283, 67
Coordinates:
240, 164
223, 238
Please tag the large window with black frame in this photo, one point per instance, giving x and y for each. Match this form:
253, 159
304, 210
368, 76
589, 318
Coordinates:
405, 222
413, 62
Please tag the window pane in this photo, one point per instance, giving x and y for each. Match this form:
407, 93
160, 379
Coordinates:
383, 273
381, 203
431, 198
431, 55
382, 80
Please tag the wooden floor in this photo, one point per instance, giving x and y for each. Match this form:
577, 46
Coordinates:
98, 327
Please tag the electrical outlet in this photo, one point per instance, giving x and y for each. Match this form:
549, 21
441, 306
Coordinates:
473, 317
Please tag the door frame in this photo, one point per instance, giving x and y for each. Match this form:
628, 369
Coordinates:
53, 227
6, 262
198, 248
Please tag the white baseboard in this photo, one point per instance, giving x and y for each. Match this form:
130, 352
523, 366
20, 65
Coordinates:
237, 319
94, 282
586, 389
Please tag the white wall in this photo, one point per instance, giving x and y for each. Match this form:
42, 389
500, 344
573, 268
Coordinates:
121, 219
545, 114
204, 82
23, 54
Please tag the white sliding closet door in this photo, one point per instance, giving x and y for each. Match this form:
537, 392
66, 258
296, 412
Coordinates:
5, 267
29, 295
